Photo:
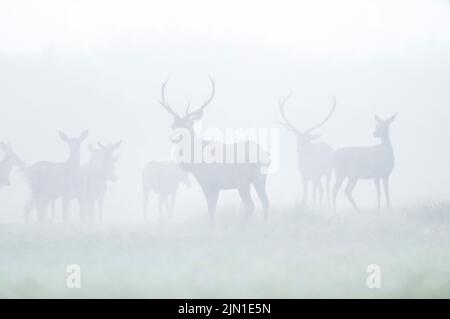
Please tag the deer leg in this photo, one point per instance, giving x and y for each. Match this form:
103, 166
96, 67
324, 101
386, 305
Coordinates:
42, 209
39, 209
28, 208
386, 191
211, 198
320, 190
167, 206
336, 187
349, 191
260, 188
52, 209
92, 210
314, 193
161, 204
82, 209
327, 189
305, 192
85, 210
65, 209
377, 187
246, 198
100, 209
145, 203
171, 204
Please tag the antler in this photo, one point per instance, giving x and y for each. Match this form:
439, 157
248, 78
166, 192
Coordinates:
163, 101
207, 101
326, 119
286, 122
186, 113
5, 146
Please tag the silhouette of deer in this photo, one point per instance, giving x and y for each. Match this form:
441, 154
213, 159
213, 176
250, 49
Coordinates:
214, 177
163, 179
10, 159
49, 181
373, 162
314, 159
93, 179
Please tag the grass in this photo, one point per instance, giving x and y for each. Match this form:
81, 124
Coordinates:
298, 254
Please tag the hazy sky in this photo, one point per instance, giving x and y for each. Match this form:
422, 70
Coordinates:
319, 27
98, 65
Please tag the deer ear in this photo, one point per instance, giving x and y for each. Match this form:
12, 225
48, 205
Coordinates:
84, 135
63, 136
378, 119
392, 118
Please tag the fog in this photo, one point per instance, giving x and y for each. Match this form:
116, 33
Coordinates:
72, 66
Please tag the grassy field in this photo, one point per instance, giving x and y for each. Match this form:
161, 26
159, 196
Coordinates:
297, 254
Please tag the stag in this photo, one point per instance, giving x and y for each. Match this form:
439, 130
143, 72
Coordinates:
10, 159
216, 176
93, 179
163, 179
49, 181
373, 162
314, 159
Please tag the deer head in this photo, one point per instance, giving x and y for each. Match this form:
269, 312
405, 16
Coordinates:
304, 138
104, 156
187, 120
10, 156
74, 143
382, 128
10, 159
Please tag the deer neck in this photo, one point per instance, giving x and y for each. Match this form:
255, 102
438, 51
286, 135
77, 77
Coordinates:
387, 145
304, 148
195, 144
386, 141
196, 140
74, 159
6, 165
96, 167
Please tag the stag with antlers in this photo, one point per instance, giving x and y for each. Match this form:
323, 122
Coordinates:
314, 158
216, 176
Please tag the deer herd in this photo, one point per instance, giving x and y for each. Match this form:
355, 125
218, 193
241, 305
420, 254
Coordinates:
318, 163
